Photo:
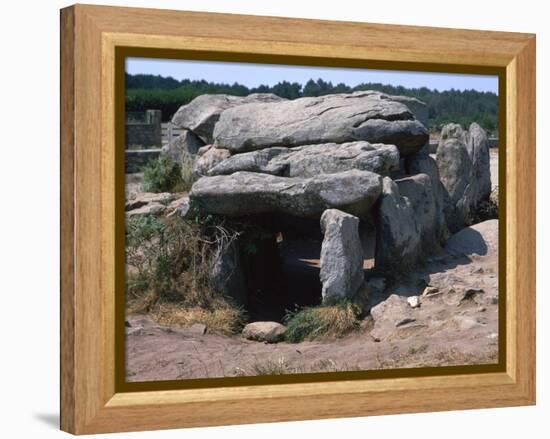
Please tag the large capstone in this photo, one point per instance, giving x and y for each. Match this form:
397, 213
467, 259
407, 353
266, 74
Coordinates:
337, 118
201, 114
249, 193
417, 107
341, 256
398, 245
311, 160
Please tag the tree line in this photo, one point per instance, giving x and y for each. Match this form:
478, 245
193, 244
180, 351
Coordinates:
167, 94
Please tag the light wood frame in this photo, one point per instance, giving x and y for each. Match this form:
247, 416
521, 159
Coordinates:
90, 36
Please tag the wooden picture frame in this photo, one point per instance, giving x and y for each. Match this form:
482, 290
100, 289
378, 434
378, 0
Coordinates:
91, 399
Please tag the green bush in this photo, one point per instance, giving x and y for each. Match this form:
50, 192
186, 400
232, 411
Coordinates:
312, 322
162, 175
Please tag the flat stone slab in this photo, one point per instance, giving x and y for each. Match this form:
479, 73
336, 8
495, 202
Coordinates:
339, 118
249, 193
311, 160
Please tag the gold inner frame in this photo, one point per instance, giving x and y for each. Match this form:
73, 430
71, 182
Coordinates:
185, 53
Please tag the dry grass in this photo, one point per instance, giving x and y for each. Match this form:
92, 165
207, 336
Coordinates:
322, 321
169, 262
224, 319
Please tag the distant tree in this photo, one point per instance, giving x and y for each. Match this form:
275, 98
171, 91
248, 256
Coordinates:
168, 94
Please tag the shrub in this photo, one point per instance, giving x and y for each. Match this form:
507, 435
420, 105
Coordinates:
334, 320
168, 267
162, 175
187, 175
487, 210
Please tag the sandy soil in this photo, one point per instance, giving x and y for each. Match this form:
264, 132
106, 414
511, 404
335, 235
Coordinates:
456, 325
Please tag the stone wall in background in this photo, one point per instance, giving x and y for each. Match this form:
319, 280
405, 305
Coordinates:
144, 130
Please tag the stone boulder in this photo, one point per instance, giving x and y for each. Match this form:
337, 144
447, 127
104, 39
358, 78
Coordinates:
424, 164
420, 194
249, 193
480, 239
398, 242
312, 160
458, 178
453, 131
227, 275
201, 114
209, 157
182, 147
478, 150
390, 315
417, 107
336, 118
269, 332
341, 256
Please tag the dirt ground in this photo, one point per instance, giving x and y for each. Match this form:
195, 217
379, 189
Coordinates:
456, 325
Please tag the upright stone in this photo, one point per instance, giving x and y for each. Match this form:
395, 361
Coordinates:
458, 178
478, 150
341, 256
420, 194
398, 243
182, 147
227, 274
424, 164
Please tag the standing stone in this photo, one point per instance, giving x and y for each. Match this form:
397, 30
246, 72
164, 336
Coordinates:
454, 131
478, 150
182, 146
458, 178
419, 192
398, 245
227, 274
341, 256
424, 164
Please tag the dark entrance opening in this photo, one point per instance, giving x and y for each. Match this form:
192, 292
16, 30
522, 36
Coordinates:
281, 268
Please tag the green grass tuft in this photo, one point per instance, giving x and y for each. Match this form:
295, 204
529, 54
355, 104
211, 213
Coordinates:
321, 321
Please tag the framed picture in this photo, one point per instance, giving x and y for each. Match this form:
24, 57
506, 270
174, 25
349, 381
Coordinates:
269, 219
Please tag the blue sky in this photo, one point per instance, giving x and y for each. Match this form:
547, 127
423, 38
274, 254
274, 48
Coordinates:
253, 75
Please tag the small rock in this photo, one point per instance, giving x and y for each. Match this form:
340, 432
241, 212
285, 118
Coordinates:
127, 324
197, 329
413, 301
149, 209
465, 322
270, 332
404, 321
493, 335
428, 291
470, 294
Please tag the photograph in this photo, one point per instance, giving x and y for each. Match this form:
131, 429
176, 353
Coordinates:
289, 219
